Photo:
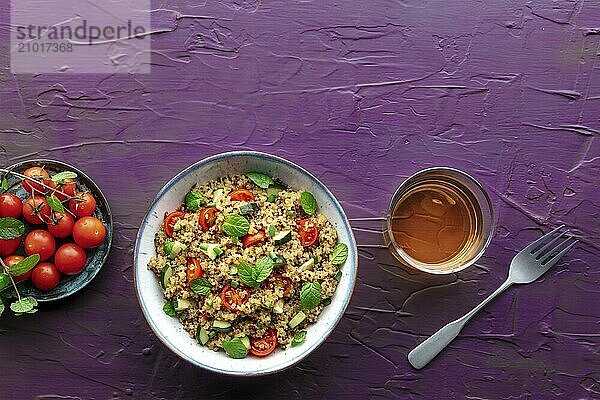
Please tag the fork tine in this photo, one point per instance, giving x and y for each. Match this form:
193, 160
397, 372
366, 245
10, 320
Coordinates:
542, 239
547, 264
548, 245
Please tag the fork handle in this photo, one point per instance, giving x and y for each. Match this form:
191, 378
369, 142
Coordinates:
426, 351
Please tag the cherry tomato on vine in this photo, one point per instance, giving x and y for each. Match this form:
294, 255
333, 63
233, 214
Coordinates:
83, 205
45, 276
89, 232
9, 246
36, 210
70, 258
61, 225
265, 345
66, 186
10, 206
40, 242
38, 173
14, 260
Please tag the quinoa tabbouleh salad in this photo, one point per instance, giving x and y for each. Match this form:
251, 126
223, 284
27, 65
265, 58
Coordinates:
246, 264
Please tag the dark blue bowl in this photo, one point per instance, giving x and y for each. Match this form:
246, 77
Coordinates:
95, 257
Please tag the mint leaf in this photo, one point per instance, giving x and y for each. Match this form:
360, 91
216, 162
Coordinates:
4, 281
4, 183
169, 309
308, 203
201, 286
263, 269
23, 266
235, 225
339, 254
235, 348
11, 228
299, 338
245, 272
260, 180
310, 295
25, 305
63, 176
55, 204
194, 200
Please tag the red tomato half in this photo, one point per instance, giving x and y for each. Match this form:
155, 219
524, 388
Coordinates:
308, 231
10, 206
278, 280
207, 218
241, 195
171, 220
70, 259
36, 210
251, 240
61, 225
193, 269
9, 246
14, 260
45, 276
89, 232
40, 242
265, 345
38, 173
83, 205
232, 298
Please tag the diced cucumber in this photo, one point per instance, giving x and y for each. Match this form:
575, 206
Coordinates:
182, 304
212, 250
165, 275
173, 248
278, 306
278, 261
297, 319
249, 208
221, 326
201, 335
282, 237
273, 192
308, 265
246, 341
233, 270
218, 194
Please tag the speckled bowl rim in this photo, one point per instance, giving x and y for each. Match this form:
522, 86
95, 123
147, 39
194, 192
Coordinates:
353, 252
108, 220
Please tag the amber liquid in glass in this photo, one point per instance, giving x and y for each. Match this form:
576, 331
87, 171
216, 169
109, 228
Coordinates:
436, 222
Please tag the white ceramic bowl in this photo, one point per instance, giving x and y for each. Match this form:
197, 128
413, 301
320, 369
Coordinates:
149, 292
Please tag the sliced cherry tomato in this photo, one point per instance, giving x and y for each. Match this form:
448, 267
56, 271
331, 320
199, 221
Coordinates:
66, 186
265, 345
83, 204
9, 246
61, 225
251, 240
40, 242
241, 195
207, 218
232, 298
10, 206
38, 173
13, 260
36, 210
45, 276
193, 269
70, 259
170, 221
308, 231
278, 280
89, 232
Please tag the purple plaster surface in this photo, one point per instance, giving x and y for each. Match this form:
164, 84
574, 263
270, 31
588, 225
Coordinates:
362, 94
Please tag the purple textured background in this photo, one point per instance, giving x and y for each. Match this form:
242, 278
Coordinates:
363, 94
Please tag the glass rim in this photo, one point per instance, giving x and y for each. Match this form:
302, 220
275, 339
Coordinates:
405, 186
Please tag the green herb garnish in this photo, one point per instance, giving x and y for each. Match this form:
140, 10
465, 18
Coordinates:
63, 176
25, 265
235, 225
24, 305
4, 186
260, 180
253, 275
235, 348
11, 228
308, 203
55, 204
201, 286
310, 295
194, 200
339, 254
272, 231
299, 338
169, 309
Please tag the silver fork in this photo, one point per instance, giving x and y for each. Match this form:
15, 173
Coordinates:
527, 266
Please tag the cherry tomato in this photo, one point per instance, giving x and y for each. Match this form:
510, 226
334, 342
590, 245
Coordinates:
251, 240
66, 186
207, 218
171, 220
70, 259
89, 232
61, 225
241, 195
9, 246
10, 206
45, 276
265, 345
36, 210
308, 232
193, 269
14, 260
232, 298
40, 242
278, 280
38, 173
83, 205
